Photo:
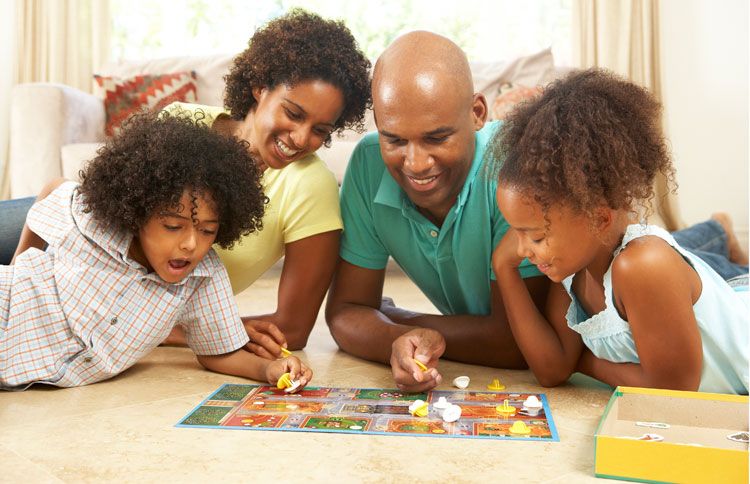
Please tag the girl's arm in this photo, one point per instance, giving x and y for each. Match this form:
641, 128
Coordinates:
654, 290
549, 346
309, 264
248, 365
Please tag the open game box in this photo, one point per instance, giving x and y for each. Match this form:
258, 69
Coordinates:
655, 435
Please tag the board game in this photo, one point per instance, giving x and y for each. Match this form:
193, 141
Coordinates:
367, 411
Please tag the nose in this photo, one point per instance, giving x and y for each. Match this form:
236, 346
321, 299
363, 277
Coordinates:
523, 249
418, 160
189, 241
301, 137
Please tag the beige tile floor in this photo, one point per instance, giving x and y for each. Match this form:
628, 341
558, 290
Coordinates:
123, 429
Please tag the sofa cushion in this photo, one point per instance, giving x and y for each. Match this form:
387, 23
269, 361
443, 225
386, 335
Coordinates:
73, 158
509, 96
124, 97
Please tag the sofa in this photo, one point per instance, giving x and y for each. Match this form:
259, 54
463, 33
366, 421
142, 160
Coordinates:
55, 128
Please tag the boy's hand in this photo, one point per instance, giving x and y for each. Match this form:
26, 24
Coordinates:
425, 345
291, 365
266, 339
506, 253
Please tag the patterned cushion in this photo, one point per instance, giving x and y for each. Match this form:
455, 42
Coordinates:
124, 97
509, 96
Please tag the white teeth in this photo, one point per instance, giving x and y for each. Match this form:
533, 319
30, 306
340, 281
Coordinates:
423, 181
285, 149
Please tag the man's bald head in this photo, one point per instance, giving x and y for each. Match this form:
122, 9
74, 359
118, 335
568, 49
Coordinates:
423, 64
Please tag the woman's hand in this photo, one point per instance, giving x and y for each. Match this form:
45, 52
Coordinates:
293, 366
266, 339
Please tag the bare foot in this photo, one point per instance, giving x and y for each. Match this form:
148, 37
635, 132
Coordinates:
175, 338
737, 253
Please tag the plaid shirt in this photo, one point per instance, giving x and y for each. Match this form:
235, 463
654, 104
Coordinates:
83, 311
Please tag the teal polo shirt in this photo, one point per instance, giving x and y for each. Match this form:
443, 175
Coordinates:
451, 264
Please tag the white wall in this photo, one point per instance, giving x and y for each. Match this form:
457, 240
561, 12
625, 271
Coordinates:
704, 52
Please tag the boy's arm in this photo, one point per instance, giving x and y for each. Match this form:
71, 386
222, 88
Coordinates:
550, 347
246, 364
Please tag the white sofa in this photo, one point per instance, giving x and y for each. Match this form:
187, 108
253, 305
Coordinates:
55, 129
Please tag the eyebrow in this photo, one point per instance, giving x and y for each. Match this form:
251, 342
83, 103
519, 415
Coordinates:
435, 132
304, 111
177, 215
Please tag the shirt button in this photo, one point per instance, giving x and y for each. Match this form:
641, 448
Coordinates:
433, 233
87, 359
113, 320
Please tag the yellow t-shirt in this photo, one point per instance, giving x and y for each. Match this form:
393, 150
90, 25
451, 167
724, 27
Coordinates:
303, 201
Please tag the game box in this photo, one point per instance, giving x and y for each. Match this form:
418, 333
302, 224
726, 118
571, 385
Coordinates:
653, 435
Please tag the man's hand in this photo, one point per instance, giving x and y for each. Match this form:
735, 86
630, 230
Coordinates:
424, 345
266, 339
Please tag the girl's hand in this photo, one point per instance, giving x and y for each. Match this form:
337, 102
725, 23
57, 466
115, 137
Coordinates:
266, 339
291, 365
506, 253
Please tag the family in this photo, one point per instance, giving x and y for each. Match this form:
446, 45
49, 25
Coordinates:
526, 235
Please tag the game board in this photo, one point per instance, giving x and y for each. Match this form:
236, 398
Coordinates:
365, 411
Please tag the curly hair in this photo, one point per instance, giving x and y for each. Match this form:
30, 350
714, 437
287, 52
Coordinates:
591, 138
301, 46
147, 167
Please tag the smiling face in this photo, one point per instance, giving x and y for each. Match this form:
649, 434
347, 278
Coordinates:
560, 245
289, 123
175, 240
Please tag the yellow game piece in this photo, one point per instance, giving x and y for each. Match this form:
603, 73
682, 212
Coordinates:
285, 352
520, 428
506, 409
420, 365
284, 381
419, 408
496, 385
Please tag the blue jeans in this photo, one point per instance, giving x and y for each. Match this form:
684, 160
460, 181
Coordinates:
708, 241
12, 217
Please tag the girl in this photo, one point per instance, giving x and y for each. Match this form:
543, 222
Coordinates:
630, 306
301, 79
128, 254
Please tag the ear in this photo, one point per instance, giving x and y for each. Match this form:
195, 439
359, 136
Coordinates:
479, 110
258, 92
604, 217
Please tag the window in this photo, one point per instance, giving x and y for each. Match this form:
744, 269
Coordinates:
486, 29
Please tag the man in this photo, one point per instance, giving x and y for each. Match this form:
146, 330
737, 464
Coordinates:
416, 191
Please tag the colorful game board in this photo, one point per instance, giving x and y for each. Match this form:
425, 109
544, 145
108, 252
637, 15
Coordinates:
366, 411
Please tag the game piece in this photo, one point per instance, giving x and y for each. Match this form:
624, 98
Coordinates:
441, 405
373, 411
451, 413
506, 409
495, 385
295, 384
739, 437
520, 428
461, 382
420, 365
285, 352
419, 408
653, 425
284, 381
532, 406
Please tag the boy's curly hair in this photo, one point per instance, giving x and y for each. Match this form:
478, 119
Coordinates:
148, 166
590, 138
301, 46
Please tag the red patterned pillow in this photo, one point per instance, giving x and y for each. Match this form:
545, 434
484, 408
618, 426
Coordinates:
509, 96
124, 97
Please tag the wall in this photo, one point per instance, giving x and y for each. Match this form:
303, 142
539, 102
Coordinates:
7, 17
704, 51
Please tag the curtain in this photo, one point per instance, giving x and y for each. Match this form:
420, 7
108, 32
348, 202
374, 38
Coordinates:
62, 41
623, 36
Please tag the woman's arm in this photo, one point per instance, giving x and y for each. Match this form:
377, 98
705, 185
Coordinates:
309, 264
655, 289
549, 346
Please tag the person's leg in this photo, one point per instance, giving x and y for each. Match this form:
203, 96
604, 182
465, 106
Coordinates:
12, 218
715, 243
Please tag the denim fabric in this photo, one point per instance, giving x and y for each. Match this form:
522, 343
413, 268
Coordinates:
12, 217
708, 241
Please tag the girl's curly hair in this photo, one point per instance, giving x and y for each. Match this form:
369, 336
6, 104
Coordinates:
590, 138
301, 46
147, 167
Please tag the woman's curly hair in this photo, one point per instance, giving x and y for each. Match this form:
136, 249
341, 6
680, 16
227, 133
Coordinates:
147, 167
591, 138
301, 46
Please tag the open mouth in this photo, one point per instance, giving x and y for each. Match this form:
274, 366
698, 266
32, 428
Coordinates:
285, 149
424, 183
178, 264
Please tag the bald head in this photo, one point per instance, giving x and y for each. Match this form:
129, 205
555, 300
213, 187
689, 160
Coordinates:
424, 65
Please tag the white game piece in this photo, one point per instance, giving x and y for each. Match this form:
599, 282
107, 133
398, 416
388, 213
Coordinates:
461, 382
295, 385
441, 405
532, 406
415, 405
451, 413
